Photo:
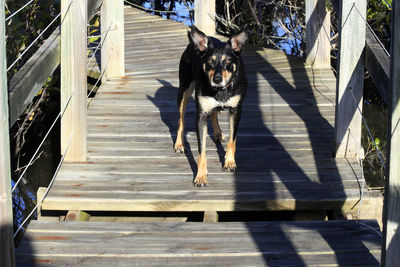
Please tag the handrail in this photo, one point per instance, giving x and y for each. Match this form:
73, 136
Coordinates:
31, 77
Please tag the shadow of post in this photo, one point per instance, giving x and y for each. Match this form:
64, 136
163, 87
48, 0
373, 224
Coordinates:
301, 99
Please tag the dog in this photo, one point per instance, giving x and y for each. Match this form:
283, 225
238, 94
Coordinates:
215, 71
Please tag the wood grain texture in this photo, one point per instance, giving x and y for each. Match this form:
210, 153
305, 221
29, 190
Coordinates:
285, 138
26, 83
392, 186
74, 79
350, 78
113, 48
6, 211
318, 28
307, 243
204, 16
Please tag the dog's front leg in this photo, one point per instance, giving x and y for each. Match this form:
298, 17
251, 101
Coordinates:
201, 129
234, 118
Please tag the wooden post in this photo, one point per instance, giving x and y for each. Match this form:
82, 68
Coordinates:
6, 211
318, 23
391, 220
112, 29
350, 79
73, 78
204, 16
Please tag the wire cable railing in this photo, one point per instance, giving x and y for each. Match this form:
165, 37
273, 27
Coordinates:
99, 45
59, 116
33, 42
39, 201
19, 10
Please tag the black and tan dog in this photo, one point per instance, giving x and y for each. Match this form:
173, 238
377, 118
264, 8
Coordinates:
215, 71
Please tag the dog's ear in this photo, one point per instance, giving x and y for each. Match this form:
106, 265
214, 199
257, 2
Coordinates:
237, 41
199, 39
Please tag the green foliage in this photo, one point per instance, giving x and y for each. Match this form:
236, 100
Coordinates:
378, 16
24, 27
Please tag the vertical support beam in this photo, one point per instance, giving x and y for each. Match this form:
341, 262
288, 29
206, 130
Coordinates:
350, 79
6, 212
318, 24
112, 28
74, 78
204, 16
391, 220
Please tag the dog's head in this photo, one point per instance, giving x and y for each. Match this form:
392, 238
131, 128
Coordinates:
219, 61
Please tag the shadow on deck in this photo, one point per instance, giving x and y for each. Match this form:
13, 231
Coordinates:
285, 163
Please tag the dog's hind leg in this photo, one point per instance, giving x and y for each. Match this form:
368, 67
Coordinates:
218, 135
183, 98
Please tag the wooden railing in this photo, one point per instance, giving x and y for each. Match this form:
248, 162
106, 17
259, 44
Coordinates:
66, 46
356, 50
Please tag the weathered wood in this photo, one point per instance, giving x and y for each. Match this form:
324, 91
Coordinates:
210, 216
391, 245
350, 78
39, 195
336, 243
113, 49
26, 83
93, 7
6, 211
318, 45
73, 78
77, 215
204, 16
377, 62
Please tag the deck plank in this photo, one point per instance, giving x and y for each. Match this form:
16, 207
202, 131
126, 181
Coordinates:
285, 139
336, 243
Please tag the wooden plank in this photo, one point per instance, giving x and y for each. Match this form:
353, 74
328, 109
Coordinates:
194, 244
204, 16
318, 46
77, 215
377, 63
33, 74
93, 7
73, 78
113, 49
391, 220
6, 210
350, 78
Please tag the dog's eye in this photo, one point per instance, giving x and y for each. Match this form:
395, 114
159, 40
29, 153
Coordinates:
227, 61
210, 61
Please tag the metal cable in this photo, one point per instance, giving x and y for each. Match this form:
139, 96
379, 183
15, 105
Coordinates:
16, 12
373, 33
38, 202
100, 44
42, 142
101, 75
34, 41
369, 131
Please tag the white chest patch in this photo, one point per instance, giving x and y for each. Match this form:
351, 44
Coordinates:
207, 103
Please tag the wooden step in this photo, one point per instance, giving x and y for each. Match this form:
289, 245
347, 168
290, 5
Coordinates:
306, 243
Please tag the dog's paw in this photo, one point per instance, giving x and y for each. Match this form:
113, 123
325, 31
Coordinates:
179, 148
230, 166
200, 181
219, 137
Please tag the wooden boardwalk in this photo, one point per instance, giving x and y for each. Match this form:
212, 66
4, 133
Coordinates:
284, 156
335, 243
285, 138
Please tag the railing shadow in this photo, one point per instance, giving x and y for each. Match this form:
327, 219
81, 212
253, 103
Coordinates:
270, 166
325, 182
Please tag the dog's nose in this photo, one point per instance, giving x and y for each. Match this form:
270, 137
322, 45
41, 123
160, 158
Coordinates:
217, 79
